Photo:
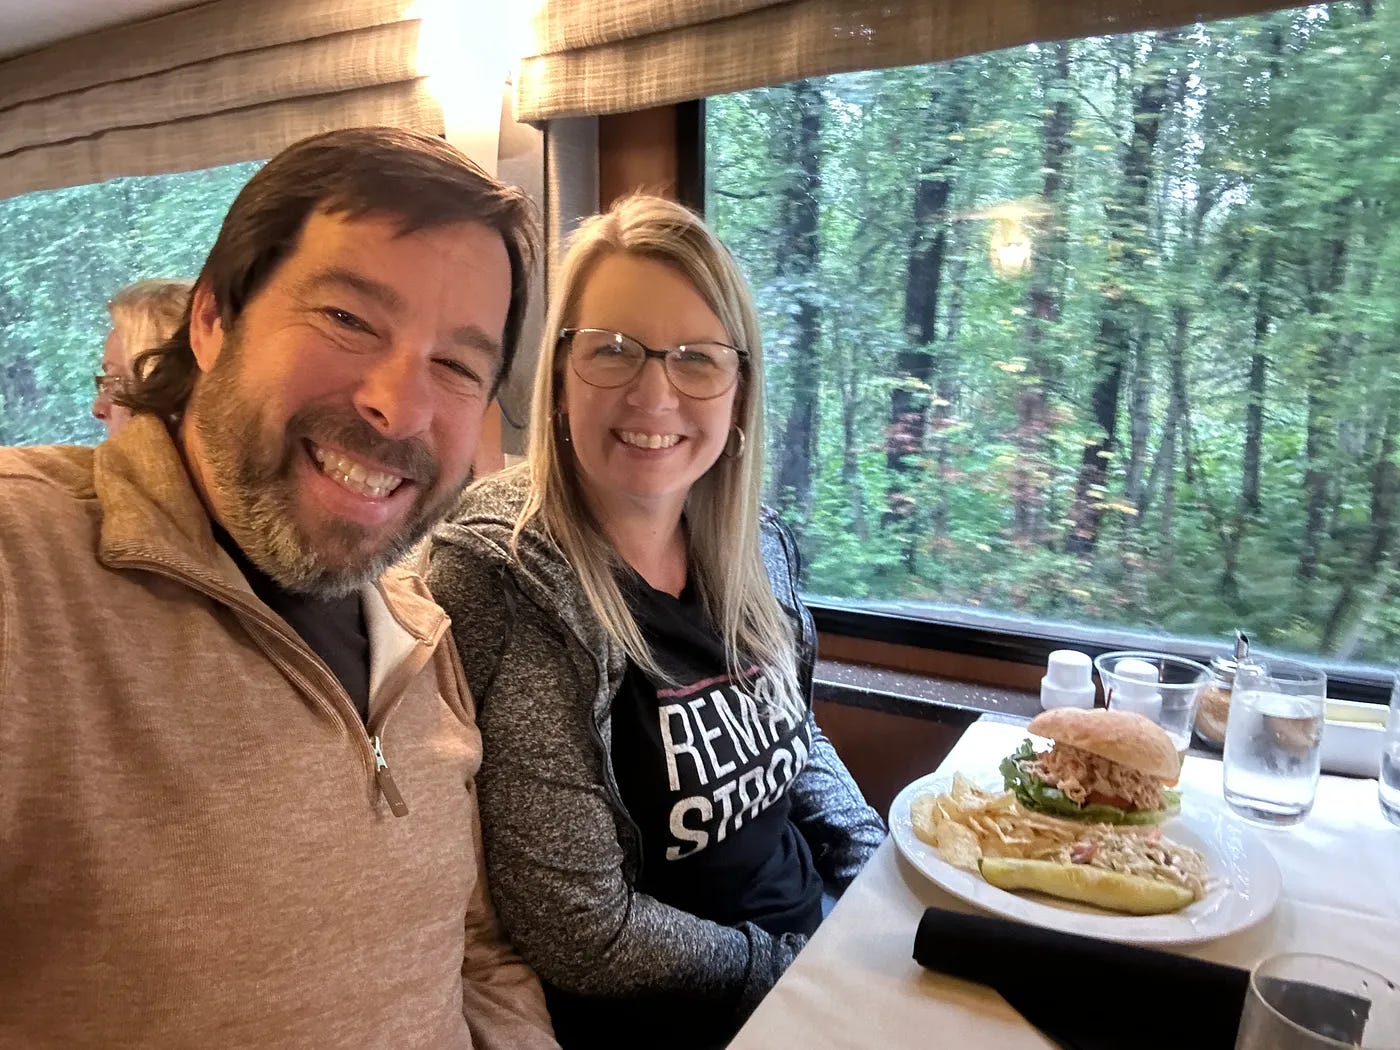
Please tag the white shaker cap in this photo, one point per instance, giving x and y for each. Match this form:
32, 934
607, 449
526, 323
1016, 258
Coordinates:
1135, 687
1068, 680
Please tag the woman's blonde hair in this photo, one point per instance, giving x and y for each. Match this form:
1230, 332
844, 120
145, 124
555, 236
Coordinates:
722, 508
146, 313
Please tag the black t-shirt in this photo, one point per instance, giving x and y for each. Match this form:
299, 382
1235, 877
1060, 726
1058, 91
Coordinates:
703, 768
334, 628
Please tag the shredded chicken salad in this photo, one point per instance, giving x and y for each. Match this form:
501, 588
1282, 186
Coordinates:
1080, 774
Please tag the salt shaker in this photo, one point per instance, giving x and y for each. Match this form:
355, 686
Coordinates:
1068, 680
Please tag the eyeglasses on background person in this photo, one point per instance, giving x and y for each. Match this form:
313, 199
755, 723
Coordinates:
611, 359
109, 385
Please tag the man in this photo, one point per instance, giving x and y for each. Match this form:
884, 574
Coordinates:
237, 758
143, 315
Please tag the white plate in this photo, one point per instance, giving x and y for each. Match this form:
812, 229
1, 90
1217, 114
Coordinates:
1245, 879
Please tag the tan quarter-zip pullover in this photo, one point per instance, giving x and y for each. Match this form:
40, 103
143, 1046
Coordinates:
199, 844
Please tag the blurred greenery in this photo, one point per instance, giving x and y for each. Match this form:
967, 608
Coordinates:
1183, 417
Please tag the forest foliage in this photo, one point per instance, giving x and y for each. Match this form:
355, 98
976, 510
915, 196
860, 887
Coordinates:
1181, 416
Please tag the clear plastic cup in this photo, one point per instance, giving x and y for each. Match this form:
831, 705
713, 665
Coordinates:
1164, 688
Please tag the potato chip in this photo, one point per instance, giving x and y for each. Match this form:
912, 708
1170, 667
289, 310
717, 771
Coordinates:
1002, 803
925, 815
998, 832
964, 790
959, 846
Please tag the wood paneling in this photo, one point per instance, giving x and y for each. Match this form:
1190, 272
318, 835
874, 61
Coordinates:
638, 151
884, 751
937, 662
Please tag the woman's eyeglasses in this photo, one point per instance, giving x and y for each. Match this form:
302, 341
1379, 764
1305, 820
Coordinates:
611, 359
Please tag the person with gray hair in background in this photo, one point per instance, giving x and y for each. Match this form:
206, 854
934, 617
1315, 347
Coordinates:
144, 315
662, 814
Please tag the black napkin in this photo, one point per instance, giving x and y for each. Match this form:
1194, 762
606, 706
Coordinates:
1087, 994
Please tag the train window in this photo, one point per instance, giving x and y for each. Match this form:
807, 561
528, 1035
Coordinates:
63, 254
1093, 335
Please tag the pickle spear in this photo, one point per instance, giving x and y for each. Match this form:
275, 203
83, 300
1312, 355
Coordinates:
1112, 890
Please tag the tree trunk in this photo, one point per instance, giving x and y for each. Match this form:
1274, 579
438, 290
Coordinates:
798, 265
851, 370
850, 465
1139, 420
1267, 249
945, 396
1258, 367
1254, 420
1322, 422
1357, 596
916, 362
1122, 316
1030, 476
1164, 464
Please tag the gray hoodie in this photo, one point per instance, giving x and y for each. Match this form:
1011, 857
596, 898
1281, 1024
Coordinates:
562, 853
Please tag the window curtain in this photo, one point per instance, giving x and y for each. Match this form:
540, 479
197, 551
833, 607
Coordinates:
606, 56
225, 81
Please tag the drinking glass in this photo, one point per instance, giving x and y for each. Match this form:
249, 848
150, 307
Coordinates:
1164, 688
1273, 741
1390, 760
1314, 1002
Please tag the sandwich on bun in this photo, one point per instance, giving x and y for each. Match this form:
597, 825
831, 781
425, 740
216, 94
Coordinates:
1109, 767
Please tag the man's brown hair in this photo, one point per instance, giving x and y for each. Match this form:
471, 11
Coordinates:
417, 179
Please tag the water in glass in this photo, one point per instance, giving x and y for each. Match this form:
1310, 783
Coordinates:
1272, 755
1390, 759
1390, 778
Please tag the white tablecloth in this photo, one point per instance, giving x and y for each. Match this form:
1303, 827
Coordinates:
856, 983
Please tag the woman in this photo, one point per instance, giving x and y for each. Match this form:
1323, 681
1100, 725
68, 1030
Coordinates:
144, 315
661, 812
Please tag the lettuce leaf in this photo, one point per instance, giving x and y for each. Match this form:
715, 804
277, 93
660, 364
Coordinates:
1036, 794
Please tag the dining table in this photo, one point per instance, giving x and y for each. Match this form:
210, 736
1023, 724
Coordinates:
856, 984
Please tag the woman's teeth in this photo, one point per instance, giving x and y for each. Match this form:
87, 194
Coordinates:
354, 476
630, 437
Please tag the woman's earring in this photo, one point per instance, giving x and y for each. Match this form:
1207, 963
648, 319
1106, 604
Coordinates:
561, 426
734, 449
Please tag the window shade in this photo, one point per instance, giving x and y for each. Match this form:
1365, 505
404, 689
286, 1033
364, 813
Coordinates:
226, 81
606, 56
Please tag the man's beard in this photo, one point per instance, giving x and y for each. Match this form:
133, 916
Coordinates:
251, 476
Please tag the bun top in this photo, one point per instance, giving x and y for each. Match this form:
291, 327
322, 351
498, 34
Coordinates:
1125, 737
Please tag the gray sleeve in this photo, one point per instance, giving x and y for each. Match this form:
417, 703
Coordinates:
841, 828
554, 860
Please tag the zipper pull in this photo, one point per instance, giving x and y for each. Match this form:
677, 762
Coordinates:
387, 787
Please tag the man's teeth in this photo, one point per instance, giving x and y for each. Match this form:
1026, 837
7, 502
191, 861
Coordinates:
632, 437
354, 476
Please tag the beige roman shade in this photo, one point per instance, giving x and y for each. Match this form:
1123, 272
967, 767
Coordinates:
221, 82
604, 56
